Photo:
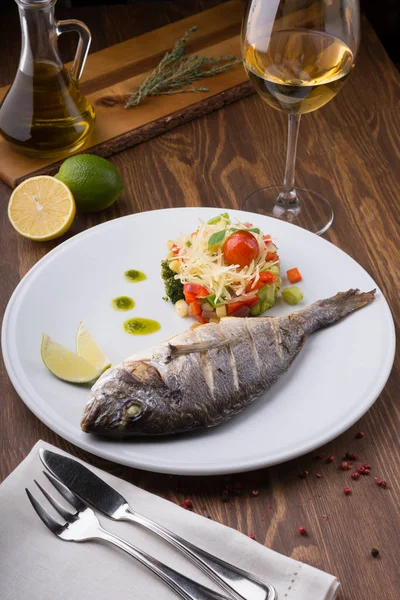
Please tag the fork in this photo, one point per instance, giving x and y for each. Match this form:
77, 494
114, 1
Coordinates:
83, 525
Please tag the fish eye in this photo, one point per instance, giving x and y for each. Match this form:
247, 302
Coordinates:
134, 410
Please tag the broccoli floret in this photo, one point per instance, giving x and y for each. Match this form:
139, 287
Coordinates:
173, 287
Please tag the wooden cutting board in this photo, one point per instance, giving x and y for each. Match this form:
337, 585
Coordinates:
117, 70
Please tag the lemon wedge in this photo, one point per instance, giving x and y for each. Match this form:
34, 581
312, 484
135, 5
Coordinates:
41, 208
65, 364
87, 348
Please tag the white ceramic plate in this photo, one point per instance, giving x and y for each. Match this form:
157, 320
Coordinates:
337, 376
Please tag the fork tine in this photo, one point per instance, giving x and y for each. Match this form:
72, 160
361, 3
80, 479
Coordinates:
56, 505
65, 492
51, 523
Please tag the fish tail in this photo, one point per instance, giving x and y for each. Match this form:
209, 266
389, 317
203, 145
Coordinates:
326, 312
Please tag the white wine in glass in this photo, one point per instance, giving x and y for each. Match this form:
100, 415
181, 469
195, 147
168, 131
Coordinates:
298, 54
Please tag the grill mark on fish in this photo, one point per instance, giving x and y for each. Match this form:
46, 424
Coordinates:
232, 364
223, 369
253, 347
279, 343
207, 370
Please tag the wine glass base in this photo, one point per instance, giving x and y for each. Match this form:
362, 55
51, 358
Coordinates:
315, 213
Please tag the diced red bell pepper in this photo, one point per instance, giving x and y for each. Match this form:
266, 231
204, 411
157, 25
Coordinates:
267, 277
251, 301
271, 256
234, 306
196, 308
190, 298
175, 249
294, 275
200, 319
267, 239
194, 288
248, 225
264, 278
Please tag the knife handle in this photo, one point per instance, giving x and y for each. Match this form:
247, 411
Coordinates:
238, 583
182, 585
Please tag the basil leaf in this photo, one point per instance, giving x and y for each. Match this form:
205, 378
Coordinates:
252, 230
216, 238
214, 220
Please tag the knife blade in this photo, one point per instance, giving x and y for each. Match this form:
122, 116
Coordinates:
83, 482
93, 490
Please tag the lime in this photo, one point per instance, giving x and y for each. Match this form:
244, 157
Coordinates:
87, 348
94, 182
41, 208
65, 364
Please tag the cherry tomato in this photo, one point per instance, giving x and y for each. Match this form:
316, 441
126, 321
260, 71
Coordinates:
240, 248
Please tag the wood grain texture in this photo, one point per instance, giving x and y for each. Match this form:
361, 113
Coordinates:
111, 74
349, 151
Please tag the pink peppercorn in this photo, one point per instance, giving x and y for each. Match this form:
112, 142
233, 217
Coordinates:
252, 536
361, 470
330, 459
355, 475
360, 435
347, 491
302, 530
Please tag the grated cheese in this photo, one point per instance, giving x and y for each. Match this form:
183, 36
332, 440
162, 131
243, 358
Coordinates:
202, 265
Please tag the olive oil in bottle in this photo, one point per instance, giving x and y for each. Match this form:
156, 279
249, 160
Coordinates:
44, 112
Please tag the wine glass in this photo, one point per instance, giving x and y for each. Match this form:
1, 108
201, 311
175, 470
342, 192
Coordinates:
298, 55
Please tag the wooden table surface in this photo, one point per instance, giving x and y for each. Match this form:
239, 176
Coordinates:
348, 151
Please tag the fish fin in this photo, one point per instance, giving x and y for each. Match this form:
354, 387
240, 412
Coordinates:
326, 312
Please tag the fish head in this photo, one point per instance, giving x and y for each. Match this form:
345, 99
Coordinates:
122, 402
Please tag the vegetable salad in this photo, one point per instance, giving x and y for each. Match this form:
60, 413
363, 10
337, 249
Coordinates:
222, 269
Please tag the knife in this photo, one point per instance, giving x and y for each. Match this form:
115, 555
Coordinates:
96, 492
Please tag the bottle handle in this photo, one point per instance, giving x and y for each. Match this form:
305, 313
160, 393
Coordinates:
83, 44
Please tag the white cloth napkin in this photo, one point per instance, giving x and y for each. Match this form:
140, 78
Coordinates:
35, 564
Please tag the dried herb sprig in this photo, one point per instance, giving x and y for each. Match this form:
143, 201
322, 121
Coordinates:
176, 71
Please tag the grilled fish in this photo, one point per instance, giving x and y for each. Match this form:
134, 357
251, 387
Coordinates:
204, 376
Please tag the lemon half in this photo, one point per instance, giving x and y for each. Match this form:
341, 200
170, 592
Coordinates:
65, 364
41, 208
87, 348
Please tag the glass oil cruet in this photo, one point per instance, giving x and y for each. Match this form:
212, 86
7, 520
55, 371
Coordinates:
44, 112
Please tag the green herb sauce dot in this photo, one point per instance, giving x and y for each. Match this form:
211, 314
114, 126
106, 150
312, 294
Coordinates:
134, 276
141, 326
123, 303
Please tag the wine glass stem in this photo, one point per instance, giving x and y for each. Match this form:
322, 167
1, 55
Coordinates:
287, 199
